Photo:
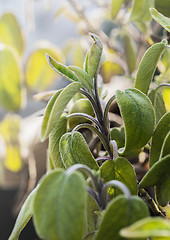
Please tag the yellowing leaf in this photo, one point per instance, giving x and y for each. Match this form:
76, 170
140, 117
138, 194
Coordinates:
10, 32
166, 96
39, 75
11, 89
109, 69
13, 160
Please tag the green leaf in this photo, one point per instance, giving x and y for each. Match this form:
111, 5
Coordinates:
121, 170
55, 108
39, 76
74, 149
138, 117
54, 139
161, 19
12, 93
120, 212
148, 65
24, 216
94, 57
10, 32
157, 100
118, 134
159, 136
140, 10
163, 7
61, 69
130, 50
83, 77
59, 206
157, 173
163, 192
148, 227
116, 6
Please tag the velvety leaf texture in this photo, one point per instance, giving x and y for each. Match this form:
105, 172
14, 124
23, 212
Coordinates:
120, 212
138, 117
56, 107
61, 198
148, 65
161, 19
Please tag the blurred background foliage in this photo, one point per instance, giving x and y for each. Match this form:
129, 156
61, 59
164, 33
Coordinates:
126, 29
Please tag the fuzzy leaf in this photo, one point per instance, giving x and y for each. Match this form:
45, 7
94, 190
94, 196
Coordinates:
10, 32
61, 198
54, 139
161, 19
11, 86
140, 10
74, 149
118, 134
157, 173
138, 117
120, 212
147, 227
83, 77
159, 136
148, 65
61, 69
116, 6
94, 57
24, 216
55, 108
120, 170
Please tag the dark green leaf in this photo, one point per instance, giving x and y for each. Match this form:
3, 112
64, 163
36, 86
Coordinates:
59, 206
163, 192
24, 216
120, 212
54, 139
61, 69
56, 107
148, 227
159, 136
148, 65
163, 7
138, 117
161, 19
157, 173
121, 170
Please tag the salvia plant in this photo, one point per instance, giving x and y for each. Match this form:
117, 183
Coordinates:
92, 194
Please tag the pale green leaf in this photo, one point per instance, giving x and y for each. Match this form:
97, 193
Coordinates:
138, 117
159, 136
116, 6
11, 87
59, 206
140, 10
24, 216
148, 227
148, 65
161, 19
55, 108
10, 32
120, 212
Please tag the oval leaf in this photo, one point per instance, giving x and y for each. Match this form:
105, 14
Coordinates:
120, 212
161, 19
159, 136
54, 139
11, 89
163, 192
10, 32
148, 65
121, 170
138, 117
23, 217
148, 227
56, 107
157, 173
61, 198
39, 76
